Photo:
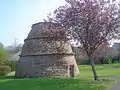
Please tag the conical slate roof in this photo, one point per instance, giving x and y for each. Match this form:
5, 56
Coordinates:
44, 56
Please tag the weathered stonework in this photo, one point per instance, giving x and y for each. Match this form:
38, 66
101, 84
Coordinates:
41, 57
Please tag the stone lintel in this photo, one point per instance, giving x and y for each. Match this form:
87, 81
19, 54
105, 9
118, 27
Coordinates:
47, 54
43, 37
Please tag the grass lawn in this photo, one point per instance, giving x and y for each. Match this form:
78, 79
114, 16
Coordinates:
83, 81
106, 70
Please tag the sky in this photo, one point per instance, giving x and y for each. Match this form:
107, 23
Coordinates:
17, 17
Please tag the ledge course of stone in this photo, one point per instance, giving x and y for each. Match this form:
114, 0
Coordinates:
42, 57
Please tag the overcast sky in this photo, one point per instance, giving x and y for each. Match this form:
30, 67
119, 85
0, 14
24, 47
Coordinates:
17, 17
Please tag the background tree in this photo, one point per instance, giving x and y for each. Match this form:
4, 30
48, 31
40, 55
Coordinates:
101, 52
80, 55
3, 56
14, 48
1, 45
89, 23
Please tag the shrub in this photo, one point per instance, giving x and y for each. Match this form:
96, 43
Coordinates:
4, 70
108, 59
12, 64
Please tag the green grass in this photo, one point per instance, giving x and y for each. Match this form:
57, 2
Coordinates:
106, 70
51, 84
84, 81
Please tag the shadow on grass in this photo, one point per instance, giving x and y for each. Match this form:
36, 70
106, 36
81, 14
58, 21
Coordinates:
117, 77
7, 77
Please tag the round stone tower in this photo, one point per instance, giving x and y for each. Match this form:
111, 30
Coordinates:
44, 56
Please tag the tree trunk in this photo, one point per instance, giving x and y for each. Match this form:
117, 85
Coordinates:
93, 68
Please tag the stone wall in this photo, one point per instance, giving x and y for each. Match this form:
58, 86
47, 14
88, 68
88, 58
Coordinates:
43, 46
46, 65
43, 56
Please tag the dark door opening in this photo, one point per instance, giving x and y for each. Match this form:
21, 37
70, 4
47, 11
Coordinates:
71, 70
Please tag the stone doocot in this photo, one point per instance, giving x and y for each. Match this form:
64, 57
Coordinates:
41, 57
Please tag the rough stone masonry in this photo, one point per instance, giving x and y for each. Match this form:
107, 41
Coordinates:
42, 56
